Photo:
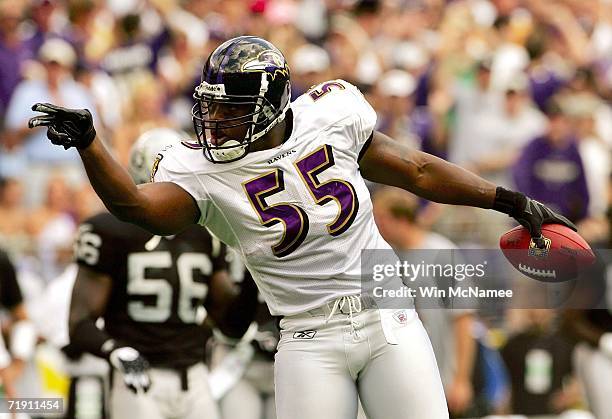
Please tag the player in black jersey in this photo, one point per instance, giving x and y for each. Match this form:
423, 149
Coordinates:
153, 294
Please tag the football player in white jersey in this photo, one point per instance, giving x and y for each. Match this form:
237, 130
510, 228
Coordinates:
284, 186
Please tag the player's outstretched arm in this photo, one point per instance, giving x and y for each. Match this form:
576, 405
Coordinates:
392, 163
162, 208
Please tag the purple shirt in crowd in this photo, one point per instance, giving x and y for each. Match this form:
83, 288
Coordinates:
553, 176
543, 84
422, 124
11, 60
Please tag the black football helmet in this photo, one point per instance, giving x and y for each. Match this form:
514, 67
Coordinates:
244, 71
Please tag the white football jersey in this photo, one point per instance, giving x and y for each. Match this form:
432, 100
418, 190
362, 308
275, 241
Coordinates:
300, 213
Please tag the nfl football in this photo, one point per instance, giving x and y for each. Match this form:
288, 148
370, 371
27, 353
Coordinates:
565, 254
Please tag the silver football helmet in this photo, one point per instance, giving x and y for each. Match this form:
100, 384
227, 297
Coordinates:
145, 150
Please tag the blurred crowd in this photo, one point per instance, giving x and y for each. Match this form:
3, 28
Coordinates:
519, 91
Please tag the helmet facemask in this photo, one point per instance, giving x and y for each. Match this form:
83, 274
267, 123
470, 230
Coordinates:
259, 119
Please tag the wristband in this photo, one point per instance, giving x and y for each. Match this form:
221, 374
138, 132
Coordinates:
87, 139
508, 201
86, 337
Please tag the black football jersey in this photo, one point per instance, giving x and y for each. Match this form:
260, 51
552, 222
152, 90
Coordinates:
160, 284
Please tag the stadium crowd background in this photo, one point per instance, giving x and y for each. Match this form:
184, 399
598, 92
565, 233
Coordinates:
516, 90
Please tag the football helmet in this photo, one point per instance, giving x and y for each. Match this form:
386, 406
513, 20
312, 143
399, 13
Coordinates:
249, 78
145, 150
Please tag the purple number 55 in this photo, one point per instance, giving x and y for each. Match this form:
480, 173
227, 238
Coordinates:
293, 217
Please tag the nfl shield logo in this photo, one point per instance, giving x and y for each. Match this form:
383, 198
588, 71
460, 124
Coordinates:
538, 253
401, 317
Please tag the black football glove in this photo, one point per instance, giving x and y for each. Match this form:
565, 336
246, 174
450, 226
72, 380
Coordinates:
530, 213
133, 367
66, 127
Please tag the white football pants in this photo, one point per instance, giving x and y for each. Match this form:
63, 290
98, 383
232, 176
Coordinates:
328, 357
165, 398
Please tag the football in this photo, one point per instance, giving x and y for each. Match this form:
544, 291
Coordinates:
566, 253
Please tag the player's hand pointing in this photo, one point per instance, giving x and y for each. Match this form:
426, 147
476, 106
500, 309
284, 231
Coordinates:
133, 366
66, 127
530, 213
